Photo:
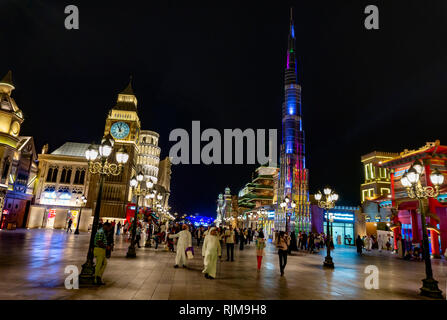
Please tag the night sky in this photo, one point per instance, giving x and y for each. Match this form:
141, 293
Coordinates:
223, 63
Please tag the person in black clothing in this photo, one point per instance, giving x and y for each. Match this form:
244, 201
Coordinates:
293, 246
110, 241
311, 245
242, 239
359, 244
304, 241
70, 222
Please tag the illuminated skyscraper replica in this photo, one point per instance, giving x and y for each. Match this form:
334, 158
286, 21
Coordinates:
293, 191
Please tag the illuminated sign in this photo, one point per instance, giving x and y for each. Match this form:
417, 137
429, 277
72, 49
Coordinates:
340, 216
442, 198
51, 213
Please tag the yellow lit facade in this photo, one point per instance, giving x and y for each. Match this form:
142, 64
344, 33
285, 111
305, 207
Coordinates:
18, 168
377, 179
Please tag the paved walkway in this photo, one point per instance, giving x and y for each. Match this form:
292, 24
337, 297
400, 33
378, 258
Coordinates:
32, 264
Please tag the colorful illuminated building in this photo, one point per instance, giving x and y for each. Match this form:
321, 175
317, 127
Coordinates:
259, 191
18, 167
293, 177
377, 179
405, 219
256, 199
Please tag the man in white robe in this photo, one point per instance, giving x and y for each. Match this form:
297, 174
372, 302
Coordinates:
184, 241
211, 250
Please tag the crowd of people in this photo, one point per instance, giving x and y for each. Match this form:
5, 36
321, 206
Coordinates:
181, 239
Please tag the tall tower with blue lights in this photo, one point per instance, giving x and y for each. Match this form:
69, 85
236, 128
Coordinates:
293, 176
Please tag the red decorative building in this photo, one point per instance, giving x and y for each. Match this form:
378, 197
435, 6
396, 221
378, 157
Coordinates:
405, 218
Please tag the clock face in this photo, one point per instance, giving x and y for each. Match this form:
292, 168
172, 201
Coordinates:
120, 130
15, 127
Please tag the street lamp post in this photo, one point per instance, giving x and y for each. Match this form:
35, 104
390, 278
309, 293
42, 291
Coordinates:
135, 183
103, 168
84, 201
283, 205
411, 180
330, 197
293, 205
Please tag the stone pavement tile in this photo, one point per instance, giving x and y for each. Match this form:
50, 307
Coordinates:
33, 263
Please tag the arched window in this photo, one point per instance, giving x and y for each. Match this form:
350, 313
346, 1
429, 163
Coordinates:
81, 180
79, 176
6, 166
65, 175
52, 174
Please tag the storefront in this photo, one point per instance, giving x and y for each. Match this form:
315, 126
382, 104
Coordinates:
342, 226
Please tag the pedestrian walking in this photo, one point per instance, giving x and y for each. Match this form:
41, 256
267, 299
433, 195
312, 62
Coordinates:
241, 239
70, 222
138, 236
184, 242
229, 242
110, 242
304, 241
282, 244
118, 228
99, 252
199, 234
293, 246
211, 251
359, 244
260, 245
311, 245
249, 235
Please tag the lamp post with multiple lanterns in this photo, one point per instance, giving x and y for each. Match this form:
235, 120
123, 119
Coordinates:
138, 191
330, 197
84, 201
411, 180
284, 206
103, 168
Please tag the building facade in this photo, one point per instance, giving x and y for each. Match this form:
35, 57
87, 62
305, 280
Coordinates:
18, 167
377, 179
163, 185
63, 179
149, 154
346, 222
293, 177
123, 124
404, 211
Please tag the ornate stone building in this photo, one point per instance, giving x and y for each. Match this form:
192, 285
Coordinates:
62, 180
149, 154
123, 124
163, 185
18, 166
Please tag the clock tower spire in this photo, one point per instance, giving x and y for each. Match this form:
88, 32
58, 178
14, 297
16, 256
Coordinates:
123, 124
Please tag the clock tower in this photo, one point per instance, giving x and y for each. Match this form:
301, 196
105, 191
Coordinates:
123, 124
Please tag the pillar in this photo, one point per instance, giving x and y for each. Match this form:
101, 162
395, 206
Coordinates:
434, 236
415, 226
397, 230
397, 235
432, 204
442, 214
